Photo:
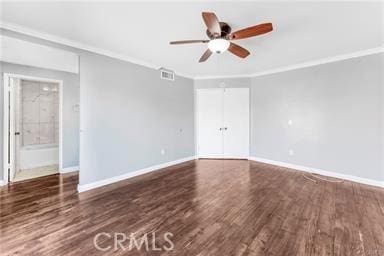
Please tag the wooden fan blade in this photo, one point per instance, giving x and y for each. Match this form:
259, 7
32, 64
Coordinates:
212, 23
238, 50
205, 56
189, 41
252, 31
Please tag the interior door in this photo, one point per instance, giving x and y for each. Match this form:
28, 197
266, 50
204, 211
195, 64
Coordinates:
210, 123
236, 122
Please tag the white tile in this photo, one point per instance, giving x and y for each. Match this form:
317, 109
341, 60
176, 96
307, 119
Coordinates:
30, 90
30, 112
56, 95
57, 134
40, 107
30, 134
56, 113
48, 92
47, 113
36, 172
46, 133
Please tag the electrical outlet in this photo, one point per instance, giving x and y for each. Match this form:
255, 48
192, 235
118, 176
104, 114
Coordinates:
162, 151
291, 152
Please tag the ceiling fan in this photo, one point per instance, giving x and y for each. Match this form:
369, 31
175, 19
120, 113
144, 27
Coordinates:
220, 35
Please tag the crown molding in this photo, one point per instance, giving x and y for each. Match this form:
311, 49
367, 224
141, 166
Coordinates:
75, 44
78, 45
302, 65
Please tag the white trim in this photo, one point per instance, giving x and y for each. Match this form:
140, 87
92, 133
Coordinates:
78, 45
2, 183
224, 157
81, 46
320, 171
100, 183
306, 64
69, 169
5, 121
5, 127
12, 126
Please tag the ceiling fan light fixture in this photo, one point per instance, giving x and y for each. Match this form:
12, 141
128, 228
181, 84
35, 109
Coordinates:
218, 45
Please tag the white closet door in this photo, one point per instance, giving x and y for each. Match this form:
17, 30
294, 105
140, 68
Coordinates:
210, 122
236, 122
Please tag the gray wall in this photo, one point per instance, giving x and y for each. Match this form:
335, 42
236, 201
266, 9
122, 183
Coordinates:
382, 115
128, 114
337, 113
70, 98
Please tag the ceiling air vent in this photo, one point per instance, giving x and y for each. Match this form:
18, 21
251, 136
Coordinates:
167, 74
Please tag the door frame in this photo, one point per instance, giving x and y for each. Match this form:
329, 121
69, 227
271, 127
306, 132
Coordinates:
196, 117
8, 102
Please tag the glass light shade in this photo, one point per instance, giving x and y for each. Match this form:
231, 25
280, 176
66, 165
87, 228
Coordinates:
218, 45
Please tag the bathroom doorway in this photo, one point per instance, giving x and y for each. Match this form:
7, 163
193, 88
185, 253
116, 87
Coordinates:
32, 127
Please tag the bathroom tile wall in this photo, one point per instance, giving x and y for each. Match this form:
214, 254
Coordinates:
39, 113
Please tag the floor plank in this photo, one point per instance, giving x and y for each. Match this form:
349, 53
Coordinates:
212, 207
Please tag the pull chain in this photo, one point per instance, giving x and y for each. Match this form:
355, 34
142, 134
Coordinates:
221, 84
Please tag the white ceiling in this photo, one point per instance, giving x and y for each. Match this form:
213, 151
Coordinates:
303, 31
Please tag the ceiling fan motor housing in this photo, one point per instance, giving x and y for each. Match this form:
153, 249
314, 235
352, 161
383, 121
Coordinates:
225, 30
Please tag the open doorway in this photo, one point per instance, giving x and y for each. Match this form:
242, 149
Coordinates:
32, 132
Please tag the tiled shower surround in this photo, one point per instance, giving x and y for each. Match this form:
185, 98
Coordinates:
39, 113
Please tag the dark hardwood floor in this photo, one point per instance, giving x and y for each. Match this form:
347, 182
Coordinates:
212, 207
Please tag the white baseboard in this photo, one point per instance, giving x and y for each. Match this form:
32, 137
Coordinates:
96, 184
223, 157
321, 172
2, 183
69, 169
